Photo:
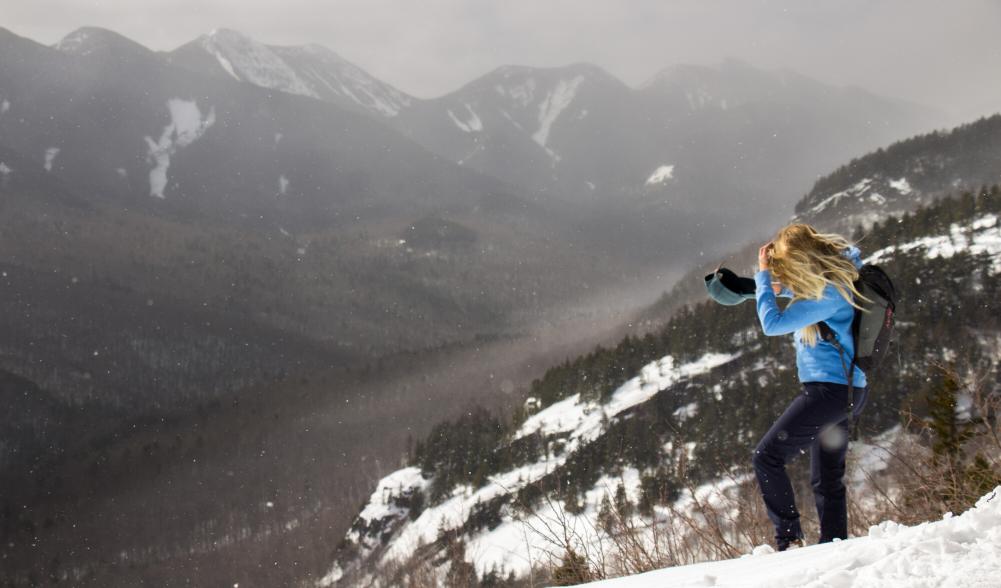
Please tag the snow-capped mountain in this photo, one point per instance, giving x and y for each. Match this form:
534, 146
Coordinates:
309, 70
738, 140
542, 125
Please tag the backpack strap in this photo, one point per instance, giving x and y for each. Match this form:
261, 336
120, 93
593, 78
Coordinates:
827, 334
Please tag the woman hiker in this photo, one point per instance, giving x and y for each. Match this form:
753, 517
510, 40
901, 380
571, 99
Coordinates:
816, 270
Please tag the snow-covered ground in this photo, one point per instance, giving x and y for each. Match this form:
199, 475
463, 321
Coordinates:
959, 551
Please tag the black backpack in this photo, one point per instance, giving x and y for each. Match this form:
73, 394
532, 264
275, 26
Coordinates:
871, 327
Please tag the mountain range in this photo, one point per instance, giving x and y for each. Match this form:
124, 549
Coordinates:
737, 138
249, 271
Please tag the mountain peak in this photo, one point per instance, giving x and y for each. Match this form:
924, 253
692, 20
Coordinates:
89, 40
226, 33
580, 68
505, 76
229, 38
310, 70
686, 73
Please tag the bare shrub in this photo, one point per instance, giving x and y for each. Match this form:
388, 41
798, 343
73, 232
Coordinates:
948, 454
707, 523
573, 549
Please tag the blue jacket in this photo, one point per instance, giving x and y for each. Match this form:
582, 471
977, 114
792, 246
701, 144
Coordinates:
820, 363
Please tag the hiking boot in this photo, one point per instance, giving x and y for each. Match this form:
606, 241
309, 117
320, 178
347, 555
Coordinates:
787, 544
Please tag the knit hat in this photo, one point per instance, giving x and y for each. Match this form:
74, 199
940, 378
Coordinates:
728, 288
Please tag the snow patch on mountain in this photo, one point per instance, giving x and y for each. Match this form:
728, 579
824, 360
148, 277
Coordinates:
250, 61
661, 175
322, 68
582, 419
75, 42
523, 94
860, 188
889, 197
471, 125
309, 70
901, 186
553, 105
186, 126
50, 156
479, 147
699, 98
224, 63
382, 503
982, 236
686, 412
508, 116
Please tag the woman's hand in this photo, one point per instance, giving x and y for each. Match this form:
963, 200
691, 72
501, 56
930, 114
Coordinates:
765, 255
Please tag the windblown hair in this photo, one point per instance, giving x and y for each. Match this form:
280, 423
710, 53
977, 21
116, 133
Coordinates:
806, 261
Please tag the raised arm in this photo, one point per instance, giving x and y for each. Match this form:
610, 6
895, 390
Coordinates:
797, 315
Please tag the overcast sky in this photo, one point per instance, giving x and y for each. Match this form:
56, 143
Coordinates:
940, 53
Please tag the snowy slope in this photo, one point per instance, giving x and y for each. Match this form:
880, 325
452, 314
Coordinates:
384, 531
982, 236
905, 175
958, 551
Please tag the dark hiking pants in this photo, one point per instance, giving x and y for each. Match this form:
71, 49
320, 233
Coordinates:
816, 419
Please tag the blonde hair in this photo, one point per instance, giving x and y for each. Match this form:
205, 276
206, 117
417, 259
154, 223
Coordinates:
806, 261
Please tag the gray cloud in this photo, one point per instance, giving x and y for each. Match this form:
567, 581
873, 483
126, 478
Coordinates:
943, 54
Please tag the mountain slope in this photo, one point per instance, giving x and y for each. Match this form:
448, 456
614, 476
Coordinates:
905, 175
584, 435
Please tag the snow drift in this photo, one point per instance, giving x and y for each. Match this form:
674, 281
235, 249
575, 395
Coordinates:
961, 551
